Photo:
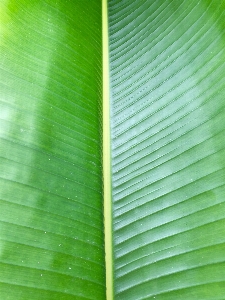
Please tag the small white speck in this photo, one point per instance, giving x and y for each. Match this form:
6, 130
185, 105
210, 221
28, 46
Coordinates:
41, 274
69, 268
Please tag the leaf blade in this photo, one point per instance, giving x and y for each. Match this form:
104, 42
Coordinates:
51, 182
167, 103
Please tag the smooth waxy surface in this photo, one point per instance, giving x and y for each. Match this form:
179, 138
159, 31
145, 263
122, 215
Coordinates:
51, 220
167, 101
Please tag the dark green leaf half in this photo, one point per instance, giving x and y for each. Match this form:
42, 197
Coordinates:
167, 64
51, 223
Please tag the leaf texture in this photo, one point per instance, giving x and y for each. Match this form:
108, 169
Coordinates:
51, 220
167, 84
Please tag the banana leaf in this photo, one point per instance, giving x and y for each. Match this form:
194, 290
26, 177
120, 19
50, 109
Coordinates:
167, 63
165, 149
52, 234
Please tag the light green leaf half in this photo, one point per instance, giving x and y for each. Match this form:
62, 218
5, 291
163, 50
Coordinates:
167, 64
51, 204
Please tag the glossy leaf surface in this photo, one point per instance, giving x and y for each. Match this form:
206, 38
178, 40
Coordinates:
167, 63
167, 124
51, 221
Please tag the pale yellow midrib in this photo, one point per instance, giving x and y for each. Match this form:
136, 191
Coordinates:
107, 156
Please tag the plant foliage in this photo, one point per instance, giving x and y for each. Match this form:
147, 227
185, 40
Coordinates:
167, 113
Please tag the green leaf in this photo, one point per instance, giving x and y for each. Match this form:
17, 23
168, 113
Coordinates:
51, 221
167, 65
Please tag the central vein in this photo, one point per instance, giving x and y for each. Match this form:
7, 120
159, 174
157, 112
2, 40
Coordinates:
107, 156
